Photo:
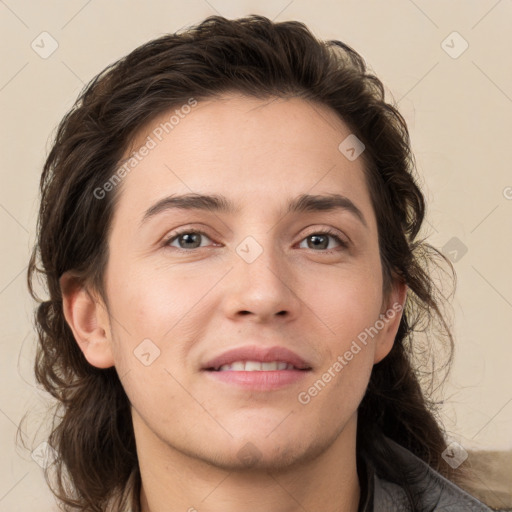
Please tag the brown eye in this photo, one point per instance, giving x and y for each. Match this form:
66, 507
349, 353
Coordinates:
321, 240
187, 240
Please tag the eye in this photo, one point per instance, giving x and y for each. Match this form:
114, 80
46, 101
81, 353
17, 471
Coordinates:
320, 240
187, 239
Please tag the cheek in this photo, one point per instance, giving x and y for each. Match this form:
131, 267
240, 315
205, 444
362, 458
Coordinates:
349, 305
154, 317
348, 302
347, 388
151, 303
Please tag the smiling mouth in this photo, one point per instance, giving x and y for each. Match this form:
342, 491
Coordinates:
257, 366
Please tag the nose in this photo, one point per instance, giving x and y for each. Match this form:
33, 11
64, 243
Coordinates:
263, 290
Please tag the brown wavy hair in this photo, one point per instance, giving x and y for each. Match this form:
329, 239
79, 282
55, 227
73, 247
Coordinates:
92, 432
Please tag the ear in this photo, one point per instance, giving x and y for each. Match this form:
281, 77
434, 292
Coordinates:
88, 319
391, 314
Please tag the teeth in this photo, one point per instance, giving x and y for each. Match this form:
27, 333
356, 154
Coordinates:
255, 366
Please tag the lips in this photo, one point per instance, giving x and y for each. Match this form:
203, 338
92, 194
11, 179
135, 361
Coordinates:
253, 356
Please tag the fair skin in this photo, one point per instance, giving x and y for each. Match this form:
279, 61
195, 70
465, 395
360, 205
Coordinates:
198, 296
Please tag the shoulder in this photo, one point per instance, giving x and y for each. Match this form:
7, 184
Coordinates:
433, 490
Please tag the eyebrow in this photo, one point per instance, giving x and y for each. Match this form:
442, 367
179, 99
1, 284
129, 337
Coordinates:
221, 204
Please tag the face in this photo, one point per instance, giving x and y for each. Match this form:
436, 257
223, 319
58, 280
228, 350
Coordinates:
198, 297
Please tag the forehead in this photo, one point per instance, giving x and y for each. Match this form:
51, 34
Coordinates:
256, 151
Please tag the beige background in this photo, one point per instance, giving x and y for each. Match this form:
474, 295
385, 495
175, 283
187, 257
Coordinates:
459, 111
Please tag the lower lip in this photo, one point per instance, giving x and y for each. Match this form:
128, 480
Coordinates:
259, 380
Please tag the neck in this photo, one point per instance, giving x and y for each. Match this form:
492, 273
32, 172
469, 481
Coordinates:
172, 480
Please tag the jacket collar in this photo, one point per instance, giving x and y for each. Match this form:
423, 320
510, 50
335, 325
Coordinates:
433, 491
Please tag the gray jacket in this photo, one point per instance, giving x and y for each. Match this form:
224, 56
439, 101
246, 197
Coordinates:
438, 493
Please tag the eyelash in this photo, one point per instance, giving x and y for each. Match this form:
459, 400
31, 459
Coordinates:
334, 234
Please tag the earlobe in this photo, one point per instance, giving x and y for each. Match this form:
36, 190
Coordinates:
88, 319
390, 317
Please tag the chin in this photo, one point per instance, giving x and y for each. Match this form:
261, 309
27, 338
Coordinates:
260, 452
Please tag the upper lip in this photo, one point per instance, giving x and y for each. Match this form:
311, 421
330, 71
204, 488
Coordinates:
257, 353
